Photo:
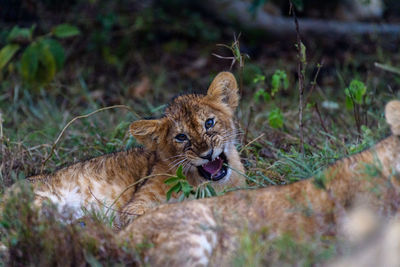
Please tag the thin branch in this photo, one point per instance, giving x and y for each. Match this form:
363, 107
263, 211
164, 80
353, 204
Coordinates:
313, 83
248, 125
320, 119
300, 72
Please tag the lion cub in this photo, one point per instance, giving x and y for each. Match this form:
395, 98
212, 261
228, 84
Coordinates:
196, 131
207, 232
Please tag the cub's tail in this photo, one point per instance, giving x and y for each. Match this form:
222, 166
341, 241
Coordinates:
392, 112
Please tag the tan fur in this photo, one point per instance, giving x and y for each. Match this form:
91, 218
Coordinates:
99, 181
206, 232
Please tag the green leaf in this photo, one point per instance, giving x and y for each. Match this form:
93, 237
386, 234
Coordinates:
275, 118
279, 80
262, 93
30, 62
56, 50
211, 189
18, 34
179, 172
65, 31
186, 188
173, 189
259, 78
349, 102
6, 54
356, 91
47, 65
172, 180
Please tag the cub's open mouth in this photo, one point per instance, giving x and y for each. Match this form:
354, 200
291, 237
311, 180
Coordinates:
216, 169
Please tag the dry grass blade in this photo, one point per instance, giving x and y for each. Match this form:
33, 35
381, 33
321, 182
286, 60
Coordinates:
252, 141
77, 118
388, 68
132, 185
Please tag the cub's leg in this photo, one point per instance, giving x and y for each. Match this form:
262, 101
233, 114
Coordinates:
93, 184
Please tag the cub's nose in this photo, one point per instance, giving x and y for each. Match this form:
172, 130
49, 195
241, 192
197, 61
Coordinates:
207, 155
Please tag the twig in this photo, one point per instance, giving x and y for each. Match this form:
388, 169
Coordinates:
72, 121
248, 125
320, 118
300, 73
238, 56
313, 83
252, 141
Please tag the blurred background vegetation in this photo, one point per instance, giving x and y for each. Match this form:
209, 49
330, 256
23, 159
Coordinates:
62, 59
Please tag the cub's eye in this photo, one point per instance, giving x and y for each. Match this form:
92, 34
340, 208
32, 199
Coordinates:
209, 123
181, 137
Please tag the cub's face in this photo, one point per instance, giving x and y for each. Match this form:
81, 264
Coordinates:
197, 131
200, 137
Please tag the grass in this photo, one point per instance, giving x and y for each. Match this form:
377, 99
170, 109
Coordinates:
43, 240
32, 122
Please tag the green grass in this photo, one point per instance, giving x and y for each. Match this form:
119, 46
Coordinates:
32, 122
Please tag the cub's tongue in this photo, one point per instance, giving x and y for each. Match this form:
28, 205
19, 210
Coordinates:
214, 166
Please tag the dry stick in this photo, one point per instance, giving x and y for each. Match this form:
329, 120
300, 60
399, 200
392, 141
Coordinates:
241, 63
313, 84
320, 119
72, 121
248, 125
300, 73
356, 115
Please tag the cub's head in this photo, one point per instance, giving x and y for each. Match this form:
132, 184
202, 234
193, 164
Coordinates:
197, 132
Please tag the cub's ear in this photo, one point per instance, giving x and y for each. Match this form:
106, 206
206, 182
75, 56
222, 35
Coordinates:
392, 113
224, 88
148, 132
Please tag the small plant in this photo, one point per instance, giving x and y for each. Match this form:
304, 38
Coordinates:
237, 57
40, 57
355, 97
179, 183
275, 118
279, 81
